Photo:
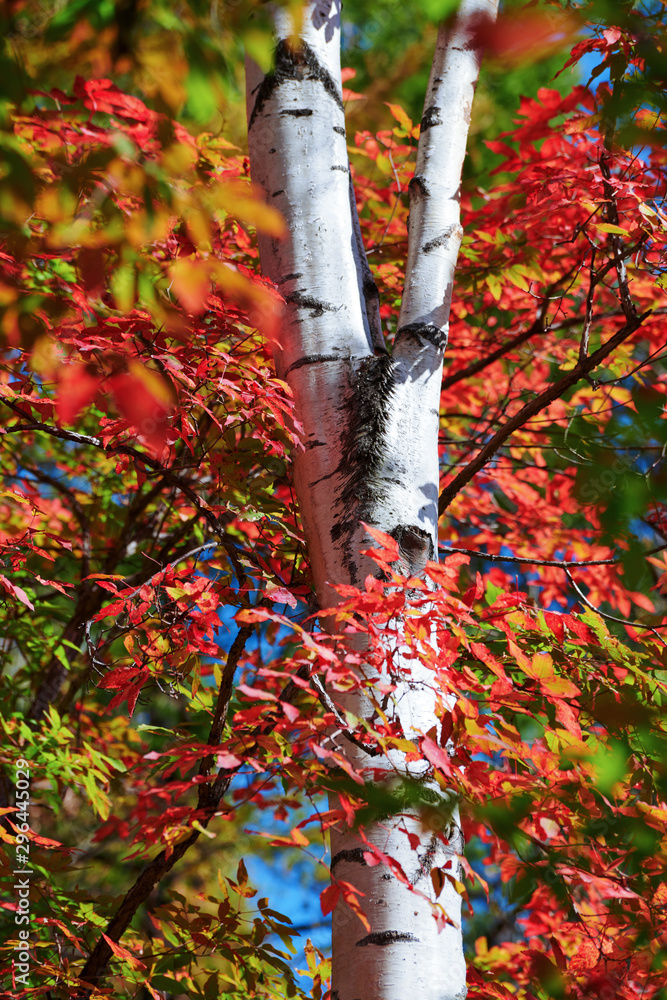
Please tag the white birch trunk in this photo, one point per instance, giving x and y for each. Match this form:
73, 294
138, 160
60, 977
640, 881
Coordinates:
370, 432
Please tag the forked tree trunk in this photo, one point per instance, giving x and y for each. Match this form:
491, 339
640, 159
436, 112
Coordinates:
370, 429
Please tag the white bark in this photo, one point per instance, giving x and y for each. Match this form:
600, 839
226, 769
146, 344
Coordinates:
370, 434
435, 217
298, 152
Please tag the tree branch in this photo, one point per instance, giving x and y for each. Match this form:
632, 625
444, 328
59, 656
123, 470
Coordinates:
208, 800
558, 563
530, 409
613, 618
435, 232
139, 456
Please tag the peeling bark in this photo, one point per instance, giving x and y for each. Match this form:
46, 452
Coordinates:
370, 440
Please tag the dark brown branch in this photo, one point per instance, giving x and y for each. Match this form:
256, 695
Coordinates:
520, 338
613, 618
558, 563
88, 603
627, 304
151, 463
530, 409
224, 697
588, 320
368, 748
509, 345
208, 800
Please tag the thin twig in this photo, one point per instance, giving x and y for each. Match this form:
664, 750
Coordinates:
208, 800
559, 563
344, 728
588, 320
613, 618
151, 463
627, 304
530, 409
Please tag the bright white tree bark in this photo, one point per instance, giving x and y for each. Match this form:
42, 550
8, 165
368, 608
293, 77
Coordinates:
370, 431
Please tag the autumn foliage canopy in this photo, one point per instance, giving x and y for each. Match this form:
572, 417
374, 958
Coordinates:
162, 661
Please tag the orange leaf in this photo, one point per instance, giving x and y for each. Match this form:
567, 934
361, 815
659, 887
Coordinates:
400, 115
123, 953
587, 957
350, 896
300, 838
389, 550
540, 667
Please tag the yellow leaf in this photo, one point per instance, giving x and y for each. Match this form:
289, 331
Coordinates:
190, 281
14, 496
123, 287
248, 206
400, 115
581, 124
179, 158
300, 838
607, 227
196, 825
541, 666
384, 163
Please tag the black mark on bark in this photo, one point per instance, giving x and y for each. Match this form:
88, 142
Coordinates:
431, 117
312, 359
355, 856
424, 332
470, 46
294, 64
440, 241
310, 302
383, 938
339, 129
455, 838
425, 861
297, 112
290, 277
368, 408
367, 287
418, 187
338, 166
415, 547
275, 195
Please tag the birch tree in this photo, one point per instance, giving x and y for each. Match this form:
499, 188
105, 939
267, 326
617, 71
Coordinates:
146, 501
370, 438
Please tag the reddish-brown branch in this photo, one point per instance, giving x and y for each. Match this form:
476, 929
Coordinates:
509, 345
542, 400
